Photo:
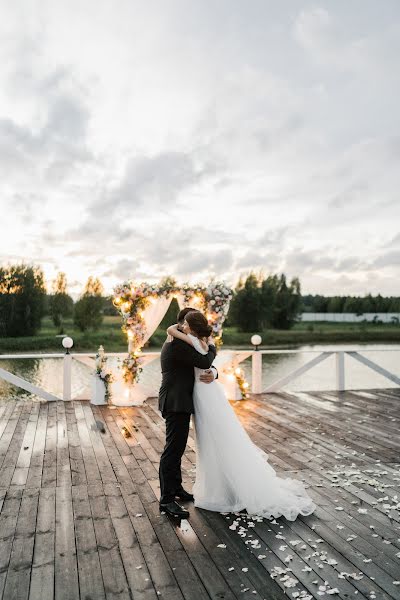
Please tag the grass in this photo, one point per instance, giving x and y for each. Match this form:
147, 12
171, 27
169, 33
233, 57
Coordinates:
113, 340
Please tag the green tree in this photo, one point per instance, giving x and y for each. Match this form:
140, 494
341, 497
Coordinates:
60, 303
287, 303
320, 304
22, 293
335, 304
353, 305
88, 313
108, 307
268, 290
259, 303
246, 307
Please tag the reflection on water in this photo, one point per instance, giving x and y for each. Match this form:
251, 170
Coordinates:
45, 373
48, 373
323, 376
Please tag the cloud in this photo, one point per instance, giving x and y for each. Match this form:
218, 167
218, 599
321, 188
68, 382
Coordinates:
199, 143
212, 263
313, 28
388, 259
394, 242
48, 153
153, 180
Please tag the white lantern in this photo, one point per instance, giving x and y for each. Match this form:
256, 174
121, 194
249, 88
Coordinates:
67, 343
256, 340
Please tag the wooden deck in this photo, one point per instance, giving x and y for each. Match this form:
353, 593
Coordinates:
79, 514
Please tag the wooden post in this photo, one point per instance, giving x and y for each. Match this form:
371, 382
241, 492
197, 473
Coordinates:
340, 379
67, 376
256, 372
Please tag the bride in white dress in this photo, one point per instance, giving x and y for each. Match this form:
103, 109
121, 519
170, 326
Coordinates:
232, 473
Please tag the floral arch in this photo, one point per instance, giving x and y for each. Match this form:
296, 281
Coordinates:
143, 306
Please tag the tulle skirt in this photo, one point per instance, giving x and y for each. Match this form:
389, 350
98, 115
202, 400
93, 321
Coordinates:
232, 473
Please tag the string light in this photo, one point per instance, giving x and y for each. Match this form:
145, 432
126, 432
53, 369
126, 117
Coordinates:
238, 374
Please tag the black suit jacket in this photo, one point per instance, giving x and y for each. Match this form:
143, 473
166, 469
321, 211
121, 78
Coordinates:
178, 360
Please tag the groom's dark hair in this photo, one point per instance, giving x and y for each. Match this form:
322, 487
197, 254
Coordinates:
182, 313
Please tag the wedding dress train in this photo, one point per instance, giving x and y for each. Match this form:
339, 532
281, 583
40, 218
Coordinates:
232, 473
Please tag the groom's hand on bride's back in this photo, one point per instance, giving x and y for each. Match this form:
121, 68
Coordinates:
207, 376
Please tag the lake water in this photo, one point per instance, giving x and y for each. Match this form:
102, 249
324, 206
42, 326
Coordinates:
48, 373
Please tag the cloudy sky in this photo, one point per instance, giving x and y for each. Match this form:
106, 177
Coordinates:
202, 138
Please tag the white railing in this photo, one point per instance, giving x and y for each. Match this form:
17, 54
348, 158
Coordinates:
321, 356
86, 358
234, 357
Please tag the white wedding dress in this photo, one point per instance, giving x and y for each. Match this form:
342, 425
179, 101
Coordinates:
232, 473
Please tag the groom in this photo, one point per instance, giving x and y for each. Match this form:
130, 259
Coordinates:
175, 401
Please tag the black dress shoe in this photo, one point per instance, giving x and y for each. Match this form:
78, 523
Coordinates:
173, 509
184, 495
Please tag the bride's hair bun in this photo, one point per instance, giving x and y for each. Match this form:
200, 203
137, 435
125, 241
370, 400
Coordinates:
199, 324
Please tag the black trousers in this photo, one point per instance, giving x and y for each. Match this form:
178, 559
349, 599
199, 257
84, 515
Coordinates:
177, 431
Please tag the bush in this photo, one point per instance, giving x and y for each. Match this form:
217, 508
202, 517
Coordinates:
87, 313
22, 294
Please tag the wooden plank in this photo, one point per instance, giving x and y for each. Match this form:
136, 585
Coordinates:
49, 472
20, 474
19, 568
34, 477
114, 577
160, 570
137, 573
42, 578
7, 410
96, 437
14, 446
90, 577
10, 425
66, 570
77, 464
91, 467
8, 523
63, 467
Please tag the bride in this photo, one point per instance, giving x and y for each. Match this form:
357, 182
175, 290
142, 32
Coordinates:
232, 473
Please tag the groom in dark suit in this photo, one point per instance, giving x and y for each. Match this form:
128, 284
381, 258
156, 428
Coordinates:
175, 401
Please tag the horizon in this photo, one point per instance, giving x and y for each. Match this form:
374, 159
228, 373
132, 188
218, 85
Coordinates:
142, 140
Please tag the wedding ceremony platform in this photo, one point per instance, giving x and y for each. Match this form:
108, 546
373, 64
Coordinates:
79, 515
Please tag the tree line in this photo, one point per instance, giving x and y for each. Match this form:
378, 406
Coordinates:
258, 303
24, 301
350, 304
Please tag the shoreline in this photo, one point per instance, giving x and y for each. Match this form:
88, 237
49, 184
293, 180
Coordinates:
85, 346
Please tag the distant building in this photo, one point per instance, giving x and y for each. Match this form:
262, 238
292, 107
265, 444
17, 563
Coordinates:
351, 317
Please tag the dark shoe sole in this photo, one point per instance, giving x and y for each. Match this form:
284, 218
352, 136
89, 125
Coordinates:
176, 515
185, 499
